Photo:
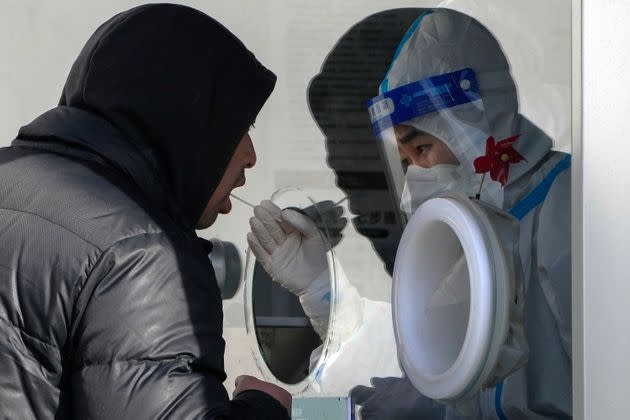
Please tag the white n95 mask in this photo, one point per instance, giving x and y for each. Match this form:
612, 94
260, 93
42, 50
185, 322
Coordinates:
424, 183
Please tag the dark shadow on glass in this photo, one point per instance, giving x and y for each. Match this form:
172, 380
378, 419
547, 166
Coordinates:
338, 98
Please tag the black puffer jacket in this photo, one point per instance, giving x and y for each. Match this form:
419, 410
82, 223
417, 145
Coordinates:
109, 308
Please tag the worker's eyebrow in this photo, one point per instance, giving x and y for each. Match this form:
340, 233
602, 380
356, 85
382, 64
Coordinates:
410, 135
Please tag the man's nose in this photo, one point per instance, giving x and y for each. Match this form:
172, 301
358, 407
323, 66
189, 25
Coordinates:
250, 153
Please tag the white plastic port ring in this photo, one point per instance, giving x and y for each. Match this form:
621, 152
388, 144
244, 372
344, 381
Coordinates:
451, 297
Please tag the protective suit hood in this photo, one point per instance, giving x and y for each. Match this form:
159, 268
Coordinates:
179, 87
444, 41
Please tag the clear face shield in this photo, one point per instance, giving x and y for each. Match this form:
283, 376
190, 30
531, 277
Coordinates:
427, 132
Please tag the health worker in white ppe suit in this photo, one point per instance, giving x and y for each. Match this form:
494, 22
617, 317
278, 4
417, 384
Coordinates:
447, 118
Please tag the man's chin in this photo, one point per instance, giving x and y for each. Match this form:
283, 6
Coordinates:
205, 223
226, 205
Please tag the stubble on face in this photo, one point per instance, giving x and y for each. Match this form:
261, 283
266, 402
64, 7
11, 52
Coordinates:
233, 177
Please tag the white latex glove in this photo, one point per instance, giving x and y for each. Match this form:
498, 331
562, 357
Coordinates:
290, 248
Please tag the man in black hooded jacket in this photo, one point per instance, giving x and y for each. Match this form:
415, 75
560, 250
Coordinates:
109, 308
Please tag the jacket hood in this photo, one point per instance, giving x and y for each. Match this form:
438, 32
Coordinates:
179, 88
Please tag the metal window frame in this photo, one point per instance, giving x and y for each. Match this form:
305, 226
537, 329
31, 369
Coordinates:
600, 210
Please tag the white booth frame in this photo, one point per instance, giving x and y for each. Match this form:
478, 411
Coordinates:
601, 210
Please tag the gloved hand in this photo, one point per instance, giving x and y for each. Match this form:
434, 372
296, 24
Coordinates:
328, 218
393, 399
289, 246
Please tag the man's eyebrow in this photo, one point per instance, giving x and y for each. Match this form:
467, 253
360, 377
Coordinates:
410, 135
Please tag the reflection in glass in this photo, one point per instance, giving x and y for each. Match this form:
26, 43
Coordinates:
284, 333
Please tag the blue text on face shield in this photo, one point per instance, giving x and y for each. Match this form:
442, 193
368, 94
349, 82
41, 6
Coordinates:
423, 97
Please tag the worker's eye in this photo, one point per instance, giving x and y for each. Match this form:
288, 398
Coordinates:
422, 148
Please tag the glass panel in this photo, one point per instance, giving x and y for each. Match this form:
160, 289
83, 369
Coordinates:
324, 146
318, 154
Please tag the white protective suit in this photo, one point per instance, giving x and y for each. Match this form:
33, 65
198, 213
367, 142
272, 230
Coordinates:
537, 194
